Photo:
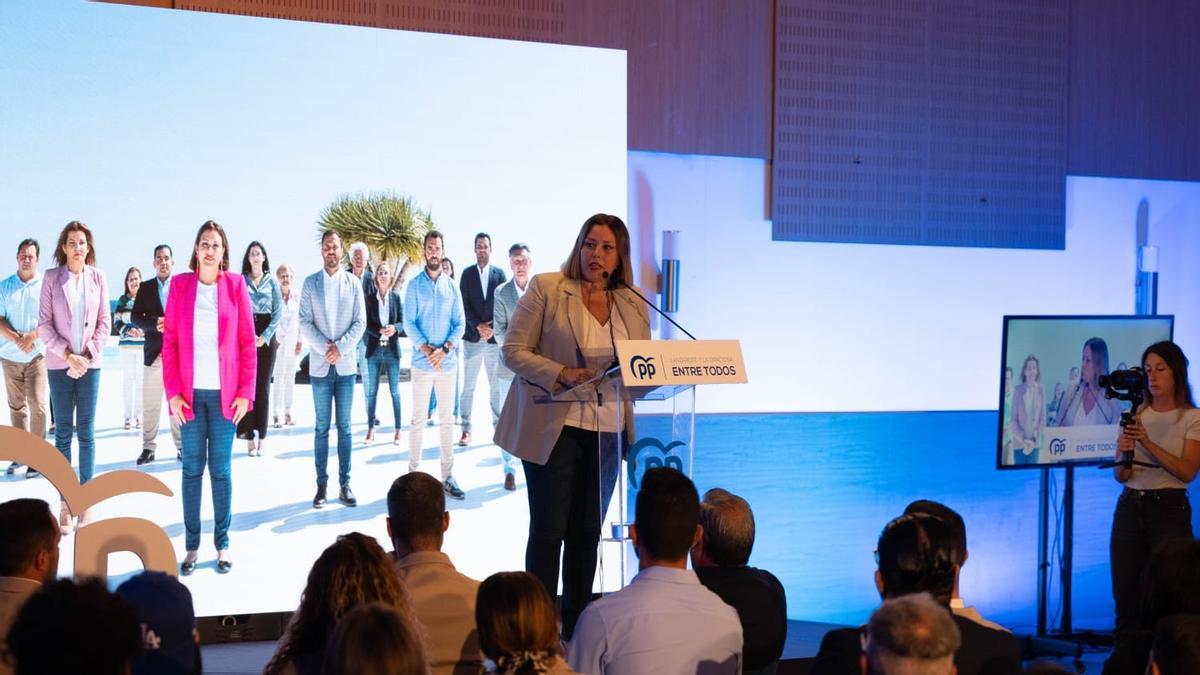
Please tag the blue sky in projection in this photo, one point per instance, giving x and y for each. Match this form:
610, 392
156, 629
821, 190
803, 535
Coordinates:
144, 123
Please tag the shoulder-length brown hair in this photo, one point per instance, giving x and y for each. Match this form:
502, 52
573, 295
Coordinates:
516, 620
352, 571
573, 269
60, 257
215, 227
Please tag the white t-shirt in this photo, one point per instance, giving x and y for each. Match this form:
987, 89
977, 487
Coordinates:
598, 354
1169, 430
206, 359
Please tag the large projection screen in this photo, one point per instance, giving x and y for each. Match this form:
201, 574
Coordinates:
144, 123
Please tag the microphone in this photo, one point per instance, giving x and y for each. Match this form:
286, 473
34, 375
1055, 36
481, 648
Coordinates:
611, 283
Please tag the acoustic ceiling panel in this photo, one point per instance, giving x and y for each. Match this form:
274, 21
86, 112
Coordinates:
932, 122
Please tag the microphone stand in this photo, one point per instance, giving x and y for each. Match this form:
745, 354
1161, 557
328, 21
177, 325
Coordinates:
613, 282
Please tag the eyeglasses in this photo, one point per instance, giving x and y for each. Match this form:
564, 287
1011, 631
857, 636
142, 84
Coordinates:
209, 246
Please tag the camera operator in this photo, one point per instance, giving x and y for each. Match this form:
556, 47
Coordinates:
1164, 437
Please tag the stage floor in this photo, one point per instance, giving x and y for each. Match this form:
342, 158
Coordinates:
276, 534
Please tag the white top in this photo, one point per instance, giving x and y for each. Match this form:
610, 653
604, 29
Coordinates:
1169, 430
77, 299
288, 332
205, 358
663, 622
483, 278
383, 309
331, 294
520, 291
598, 354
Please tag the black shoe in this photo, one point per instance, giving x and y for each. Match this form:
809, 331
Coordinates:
187, 567
146, 457
319, 500
510, 482
346, 496
451, 488
178, 455
12, 468
465, 440
223, 566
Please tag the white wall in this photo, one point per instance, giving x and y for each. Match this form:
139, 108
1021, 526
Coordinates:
855, 327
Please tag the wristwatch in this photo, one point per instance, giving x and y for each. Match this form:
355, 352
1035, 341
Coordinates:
446, 348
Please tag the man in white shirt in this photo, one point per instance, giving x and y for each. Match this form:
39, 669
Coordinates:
665, 621
28, 559
507, 296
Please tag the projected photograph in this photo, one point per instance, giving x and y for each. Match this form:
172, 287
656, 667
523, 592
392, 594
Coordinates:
1054, 408
144, 124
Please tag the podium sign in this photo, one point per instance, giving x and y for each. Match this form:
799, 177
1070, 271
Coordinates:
653, 363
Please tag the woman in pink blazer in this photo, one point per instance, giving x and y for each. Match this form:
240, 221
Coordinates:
208, 373
73, 321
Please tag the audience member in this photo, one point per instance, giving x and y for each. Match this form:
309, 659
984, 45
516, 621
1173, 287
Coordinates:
353, 571
911, 634
916, 554
958, 531
518, 629
170, 642
375, 639
1176, 646
721, 560
28, 559
74, 628
664, 621
443, 600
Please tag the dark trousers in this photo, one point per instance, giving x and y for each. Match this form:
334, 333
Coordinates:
1142, 520
256, 417
567, 499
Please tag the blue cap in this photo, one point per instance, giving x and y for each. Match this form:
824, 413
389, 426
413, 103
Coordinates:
168, 623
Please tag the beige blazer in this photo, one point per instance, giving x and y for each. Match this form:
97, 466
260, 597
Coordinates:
543, 337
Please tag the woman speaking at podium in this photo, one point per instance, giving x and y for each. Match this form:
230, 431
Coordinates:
563, 333
1154, 505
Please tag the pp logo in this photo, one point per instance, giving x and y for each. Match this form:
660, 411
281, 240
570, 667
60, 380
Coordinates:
665, 458
1058, 446
642, 367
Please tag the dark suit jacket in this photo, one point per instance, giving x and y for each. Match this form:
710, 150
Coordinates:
476, 309
147, 310
984, 651
395, 318
761, 605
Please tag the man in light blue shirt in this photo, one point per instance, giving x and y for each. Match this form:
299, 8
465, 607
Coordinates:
664, 621
433, 320
22, 353
333, 317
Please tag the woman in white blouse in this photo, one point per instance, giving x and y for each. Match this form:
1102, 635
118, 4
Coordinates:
287, 352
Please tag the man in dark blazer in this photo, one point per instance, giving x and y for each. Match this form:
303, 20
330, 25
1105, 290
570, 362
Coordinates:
916, 555
478, 285
147, 315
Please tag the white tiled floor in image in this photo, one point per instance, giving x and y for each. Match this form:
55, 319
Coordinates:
276, 534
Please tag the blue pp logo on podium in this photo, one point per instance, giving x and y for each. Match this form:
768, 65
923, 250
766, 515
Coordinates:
642, 367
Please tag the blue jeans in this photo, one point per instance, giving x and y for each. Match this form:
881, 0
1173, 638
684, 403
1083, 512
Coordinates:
383, 360
74, 403
337, 390
207, 439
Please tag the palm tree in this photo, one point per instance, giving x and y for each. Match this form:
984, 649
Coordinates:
390, 224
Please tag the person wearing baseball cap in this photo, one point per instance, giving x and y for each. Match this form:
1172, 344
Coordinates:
170, 643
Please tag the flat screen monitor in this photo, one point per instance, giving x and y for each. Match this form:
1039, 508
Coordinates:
1052, 409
